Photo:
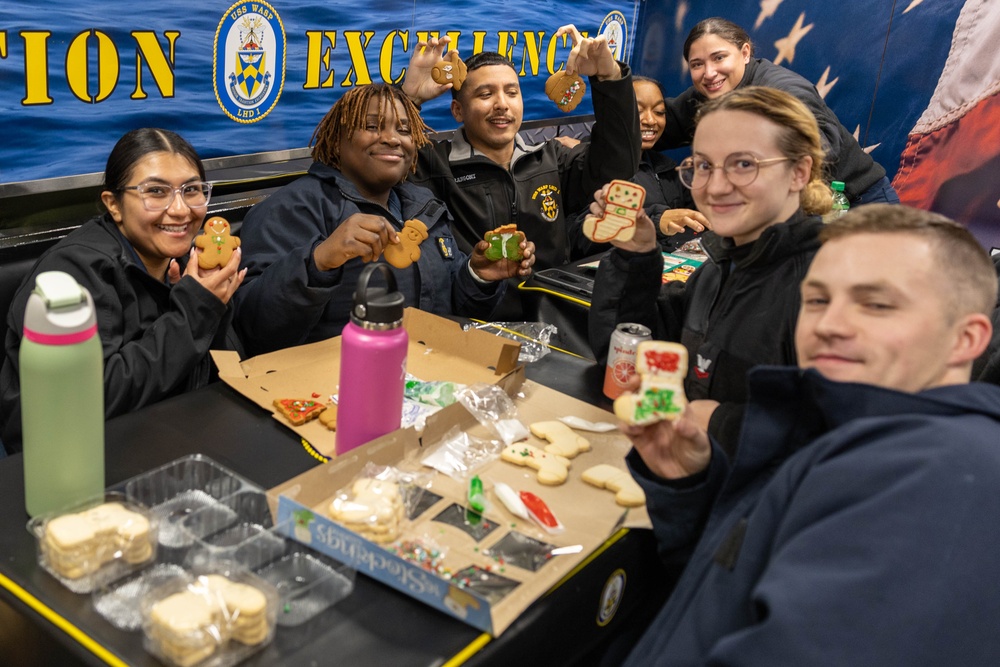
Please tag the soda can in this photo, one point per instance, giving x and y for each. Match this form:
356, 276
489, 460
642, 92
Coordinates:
621, 357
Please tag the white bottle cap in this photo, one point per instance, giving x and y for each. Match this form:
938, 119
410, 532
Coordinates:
58, 289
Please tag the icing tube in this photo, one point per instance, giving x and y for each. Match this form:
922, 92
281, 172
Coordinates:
510, 500
540, 513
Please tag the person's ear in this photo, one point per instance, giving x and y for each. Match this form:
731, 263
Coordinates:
972, 335
111, 203
745, 52
456, 109
801, 173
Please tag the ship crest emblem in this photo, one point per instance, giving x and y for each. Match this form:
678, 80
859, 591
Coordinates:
249, 66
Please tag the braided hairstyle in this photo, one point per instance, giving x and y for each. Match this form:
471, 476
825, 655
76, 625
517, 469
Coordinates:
350, 113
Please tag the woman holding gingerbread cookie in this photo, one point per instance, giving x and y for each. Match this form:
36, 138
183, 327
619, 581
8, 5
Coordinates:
756, 173
158, 312
307, 243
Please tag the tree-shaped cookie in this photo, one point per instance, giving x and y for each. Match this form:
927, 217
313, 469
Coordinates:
505, 243
623, 203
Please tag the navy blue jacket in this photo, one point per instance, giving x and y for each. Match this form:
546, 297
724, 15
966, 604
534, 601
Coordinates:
286, 300
856, 526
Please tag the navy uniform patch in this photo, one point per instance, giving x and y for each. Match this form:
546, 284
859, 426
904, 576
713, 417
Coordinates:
248, 69
446, 246
547, 204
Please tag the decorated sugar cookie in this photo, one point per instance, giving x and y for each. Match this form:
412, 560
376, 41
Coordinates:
624, 201
566, 90
450, 70
505, 243
662, 367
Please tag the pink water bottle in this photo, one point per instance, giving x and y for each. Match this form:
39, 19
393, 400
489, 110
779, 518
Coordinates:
372, 363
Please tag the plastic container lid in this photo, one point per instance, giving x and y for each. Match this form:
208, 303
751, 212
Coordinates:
837, 186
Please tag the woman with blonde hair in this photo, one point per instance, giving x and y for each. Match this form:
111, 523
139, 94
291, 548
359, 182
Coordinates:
756, 173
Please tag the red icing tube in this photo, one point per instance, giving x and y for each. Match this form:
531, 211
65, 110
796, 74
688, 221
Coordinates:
541, 513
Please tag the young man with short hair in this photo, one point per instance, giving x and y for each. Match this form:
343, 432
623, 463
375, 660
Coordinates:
856, 524
488, 176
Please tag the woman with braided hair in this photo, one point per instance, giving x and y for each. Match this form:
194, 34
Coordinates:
305, 246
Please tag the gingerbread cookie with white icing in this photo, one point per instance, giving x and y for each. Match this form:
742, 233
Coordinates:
217, 244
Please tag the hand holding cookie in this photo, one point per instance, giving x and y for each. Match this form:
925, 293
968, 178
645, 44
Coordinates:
590, 56
501, 268
222, 282
419, 84
361, 235
643, 238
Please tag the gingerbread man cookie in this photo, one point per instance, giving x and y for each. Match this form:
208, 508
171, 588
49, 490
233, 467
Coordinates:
450, 70
623, 203
563, 441
662, 367
552, 469
566, 90
407, 251
217, 243
505, 243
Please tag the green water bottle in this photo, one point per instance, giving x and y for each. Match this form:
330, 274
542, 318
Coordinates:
62, 395
841, 205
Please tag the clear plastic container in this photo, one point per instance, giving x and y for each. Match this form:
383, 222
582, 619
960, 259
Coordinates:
95, 542
308, 583
215, 618
179, 488
236, 530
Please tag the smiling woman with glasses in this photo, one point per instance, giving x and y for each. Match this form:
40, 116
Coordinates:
158, 313
756, 173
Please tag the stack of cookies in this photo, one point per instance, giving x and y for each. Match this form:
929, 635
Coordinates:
373, 509
189, 626
244, 608
182, 628
76, 545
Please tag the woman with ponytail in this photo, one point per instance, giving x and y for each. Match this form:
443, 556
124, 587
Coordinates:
756, 173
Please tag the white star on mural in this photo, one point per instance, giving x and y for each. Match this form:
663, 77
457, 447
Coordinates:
823, 86
912, 5
867, 149
767, 9
680, 14
786, 45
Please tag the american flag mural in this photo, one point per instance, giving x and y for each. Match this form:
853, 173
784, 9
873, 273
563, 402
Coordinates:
916, 80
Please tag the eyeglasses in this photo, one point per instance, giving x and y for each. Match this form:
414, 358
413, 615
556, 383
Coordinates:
740, 168
159, 197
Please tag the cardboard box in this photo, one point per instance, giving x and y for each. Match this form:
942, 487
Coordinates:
439, 350
589, 515
512, 569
